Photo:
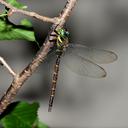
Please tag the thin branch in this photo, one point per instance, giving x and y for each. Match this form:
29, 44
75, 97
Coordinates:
28, 13
41, 55
66, 12
4, 63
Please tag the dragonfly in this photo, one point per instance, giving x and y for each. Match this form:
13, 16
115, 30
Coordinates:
79, 58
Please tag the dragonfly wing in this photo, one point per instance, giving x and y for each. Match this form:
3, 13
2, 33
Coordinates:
83, 66
96, 55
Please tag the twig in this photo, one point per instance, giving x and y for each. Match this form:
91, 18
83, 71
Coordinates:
41, 55
28, 13
4, 63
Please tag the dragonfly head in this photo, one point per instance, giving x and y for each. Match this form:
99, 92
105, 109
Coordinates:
63, 33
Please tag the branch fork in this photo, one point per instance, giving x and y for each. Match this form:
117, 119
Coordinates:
20, 78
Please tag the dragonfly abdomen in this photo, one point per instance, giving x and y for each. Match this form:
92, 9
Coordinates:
54, 82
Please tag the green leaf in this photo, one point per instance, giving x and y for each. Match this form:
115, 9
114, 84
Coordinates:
16, 34
16, 4
41, 125
26, 23
9, 31
2, 25
23, 115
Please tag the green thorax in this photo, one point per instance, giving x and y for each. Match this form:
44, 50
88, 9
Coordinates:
63, 33
62, 40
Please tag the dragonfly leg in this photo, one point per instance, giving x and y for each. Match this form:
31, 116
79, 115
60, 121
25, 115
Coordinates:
56, 31
52, 40
53, 35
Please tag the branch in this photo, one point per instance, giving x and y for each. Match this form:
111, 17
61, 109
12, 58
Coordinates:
41, 55
3, 62
28, 13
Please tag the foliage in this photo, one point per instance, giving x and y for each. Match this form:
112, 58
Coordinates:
16, 4
18, 114
21, 115
11, 31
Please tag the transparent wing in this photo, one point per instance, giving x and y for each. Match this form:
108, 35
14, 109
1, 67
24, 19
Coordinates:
83, 66
96, 55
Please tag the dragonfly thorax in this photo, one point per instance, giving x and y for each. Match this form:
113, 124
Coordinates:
62, 40
63, 33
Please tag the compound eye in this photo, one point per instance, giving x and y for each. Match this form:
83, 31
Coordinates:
67, 33
62, 32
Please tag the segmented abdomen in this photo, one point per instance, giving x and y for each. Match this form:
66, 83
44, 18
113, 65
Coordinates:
54, 82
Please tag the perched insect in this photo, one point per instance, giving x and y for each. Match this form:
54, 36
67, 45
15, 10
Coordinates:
80, 59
